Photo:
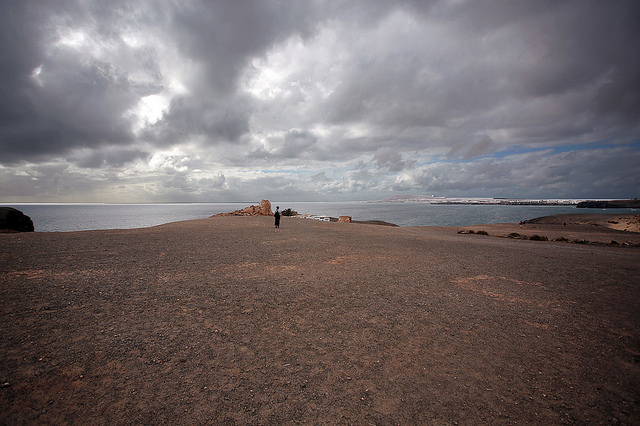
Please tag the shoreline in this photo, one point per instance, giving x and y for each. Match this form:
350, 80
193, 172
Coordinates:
64, 219
584, 228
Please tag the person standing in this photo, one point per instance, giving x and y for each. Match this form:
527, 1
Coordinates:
277, 216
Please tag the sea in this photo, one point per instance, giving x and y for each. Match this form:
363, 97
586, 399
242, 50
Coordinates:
81, 217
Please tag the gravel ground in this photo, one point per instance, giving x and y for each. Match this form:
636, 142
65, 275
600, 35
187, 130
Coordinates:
230, 321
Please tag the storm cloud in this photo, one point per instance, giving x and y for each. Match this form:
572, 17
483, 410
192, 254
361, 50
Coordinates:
129, 101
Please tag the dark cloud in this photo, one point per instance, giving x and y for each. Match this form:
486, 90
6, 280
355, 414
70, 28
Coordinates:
115, 157
576, 174
52, 103
223, 36
209, 100
190, 117
296, 143
388, 158
574, 56
479, 145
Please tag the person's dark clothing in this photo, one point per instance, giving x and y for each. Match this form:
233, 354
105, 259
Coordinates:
277, 216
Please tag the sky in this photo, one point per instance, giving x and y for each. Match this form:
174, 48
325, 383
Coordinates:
333, 100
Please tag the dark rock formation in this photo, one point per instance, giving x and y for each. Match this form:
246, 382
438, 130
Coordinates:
262, 209
610, 204
374, 222
12, 220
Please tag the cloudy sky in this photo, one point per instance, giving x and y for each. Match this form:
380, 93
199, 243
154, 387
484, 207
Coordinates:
156, 101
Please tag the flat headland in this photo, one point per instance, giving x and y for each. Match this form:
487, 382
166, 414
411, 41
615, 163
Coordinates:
228, 320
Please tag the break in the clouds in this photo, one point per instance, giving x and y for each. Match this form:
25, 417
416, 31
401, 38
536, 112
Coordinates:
138, 101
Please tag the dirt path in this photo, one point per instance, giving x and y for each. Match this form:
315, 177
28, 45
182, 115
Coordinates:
228, 320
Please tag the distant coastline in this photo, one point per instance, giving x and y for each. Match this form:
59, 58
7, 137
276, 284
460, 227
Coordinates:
580, 203
610, 204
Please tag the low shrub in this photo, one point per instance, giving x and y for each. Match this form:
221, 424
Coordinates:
482, 233
537, 237
514, 235
563, 239
289, 212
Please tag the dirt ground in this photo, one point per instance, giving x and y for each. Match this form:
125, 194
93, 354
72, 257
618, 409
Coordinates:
230, 321
612, 229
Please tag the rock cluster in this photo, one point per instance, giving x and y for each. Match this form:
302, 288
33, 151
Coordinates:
262, 209
13, 220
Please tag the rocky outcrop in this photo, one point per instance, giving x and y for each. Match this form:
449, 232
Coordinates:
345, 219
374, 222
262, 209
610, 204
12, 220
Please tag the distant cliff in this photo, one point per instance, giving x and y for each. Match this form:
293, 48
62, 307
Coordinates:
610, 204
482, 201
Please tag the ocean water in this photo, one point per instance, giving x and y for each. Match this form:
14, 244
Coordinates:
80, 217
83, 217
418, 214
